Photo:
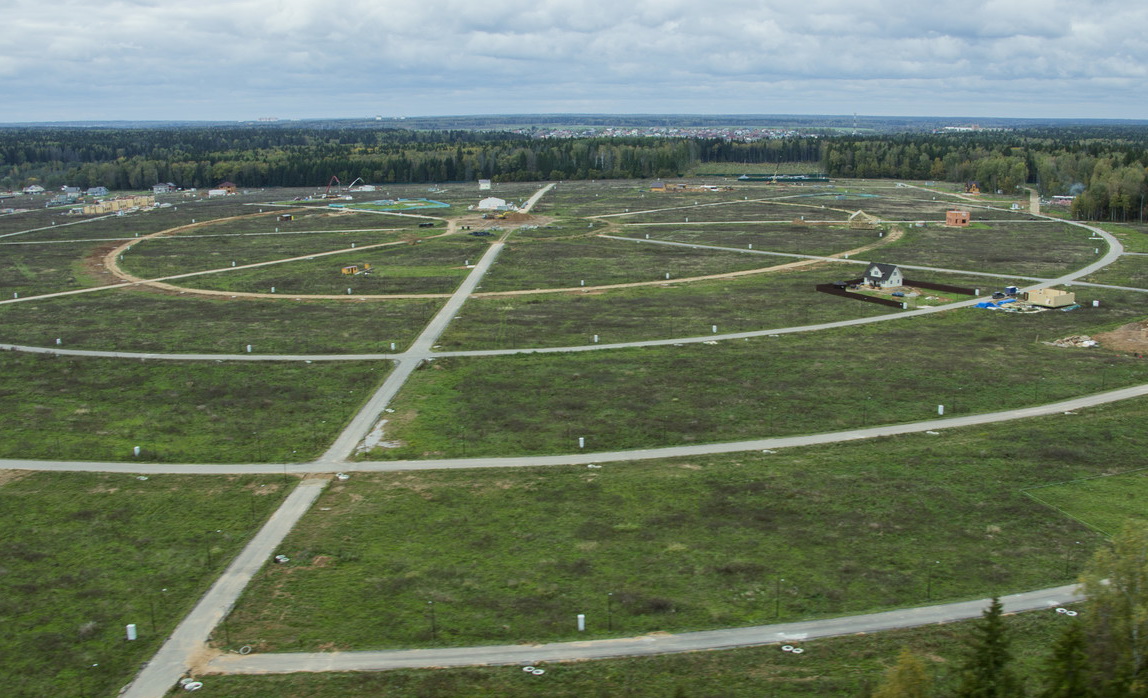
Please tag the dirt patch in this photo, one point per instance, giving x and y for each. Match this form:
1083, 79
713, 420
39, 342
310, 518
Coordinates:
200, 658
1132, 338
95, 268
7, 476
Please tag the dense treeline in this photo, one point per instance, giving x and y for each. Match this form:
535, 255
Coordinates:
256, 157
1104, 166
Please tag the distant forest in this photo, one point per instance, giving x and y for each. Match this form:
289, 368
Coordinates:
1103, 165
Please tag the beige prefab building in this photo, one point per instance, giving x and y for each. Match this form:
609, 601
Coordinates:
1051, 297
120, 204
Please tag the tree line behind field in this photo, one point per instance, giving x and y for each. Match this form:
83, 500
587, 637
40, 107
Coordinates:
1103, 166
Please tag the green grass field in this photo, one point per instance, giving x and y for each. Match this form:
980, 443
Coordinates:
1103, 503
136, 320
773, 236
1030, 249
600, 261
86, 554
971, 360
1134, 236
1127, 271
97, 409
433, 266
741, 304
691, 208
511, 556
33, 269
167, 256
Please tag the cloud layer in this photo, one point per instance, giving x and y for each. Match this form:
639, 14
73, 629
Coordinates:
244, 59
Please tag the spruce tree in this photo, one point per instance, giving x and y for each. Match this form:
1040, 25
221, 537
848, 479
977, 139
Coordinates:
985, 672
1067, 668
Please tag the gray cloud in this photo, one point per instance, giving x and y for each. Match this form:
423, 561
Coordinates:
248, 58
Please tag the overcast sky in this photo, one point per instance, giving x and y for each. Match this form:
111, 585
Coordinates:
246, 59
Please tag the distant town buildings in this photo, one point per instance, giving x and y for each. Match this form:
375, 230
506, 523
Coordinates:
745, 135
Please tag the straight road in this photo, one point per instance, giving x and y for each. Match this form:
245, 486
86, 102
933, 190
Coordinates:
179, 652
190, 636
360, 426
529, 205
787, 633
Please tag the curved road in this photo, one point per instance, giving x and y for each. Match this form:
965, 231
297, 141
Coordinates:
180, 652
645, 645
331, 464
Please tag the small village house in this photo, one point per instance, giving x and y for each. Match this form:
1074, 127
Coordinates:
880, 275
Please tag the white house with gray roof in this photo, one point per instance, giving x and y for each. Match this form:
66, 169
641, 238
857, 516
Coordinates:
883, 275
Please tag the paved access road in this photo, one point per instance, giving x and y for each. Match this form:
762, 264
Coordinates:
1064, 407
408, 361
190, 637
187, 643
662, 643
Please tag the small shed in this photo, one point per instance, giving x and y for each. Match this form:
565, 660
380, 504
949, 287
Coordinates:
957, 218
357, 269
883, 276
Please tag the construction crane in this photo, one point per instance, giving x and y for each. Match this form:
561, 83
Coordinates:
351, 186
327, 194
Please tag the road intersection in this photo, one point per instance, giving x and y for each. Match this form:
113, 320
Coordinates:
184, 649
